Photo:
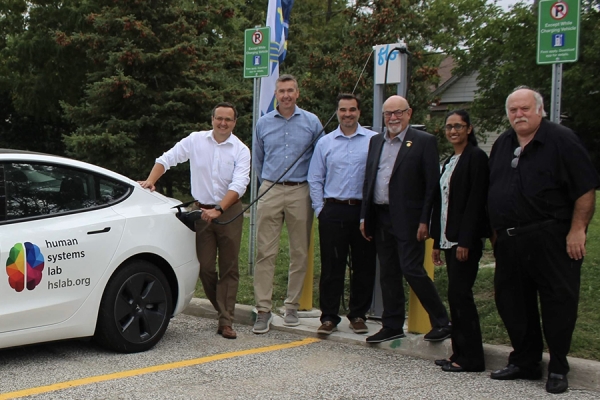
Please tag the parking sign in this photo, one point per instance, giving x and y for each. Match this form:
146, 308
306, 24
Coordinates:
256, 52
558, 31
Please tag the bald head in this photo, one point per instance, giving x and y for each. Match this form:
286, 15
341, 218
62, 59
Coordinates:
397, 102
396, 114
525, 110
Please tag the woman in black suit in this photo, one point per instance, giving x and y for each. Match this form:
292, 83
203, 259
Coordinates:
459, 227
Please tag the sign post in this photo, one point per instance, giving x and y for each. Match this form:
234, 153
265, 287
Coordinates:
558, 42
256, 65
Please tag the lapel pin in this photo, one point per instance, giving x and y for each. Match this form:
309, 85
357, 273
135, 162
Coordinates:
408, 143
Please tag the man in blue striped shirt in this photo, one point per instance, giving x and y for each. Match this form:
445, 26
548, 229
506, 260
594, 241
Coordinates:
336, 176
281, 137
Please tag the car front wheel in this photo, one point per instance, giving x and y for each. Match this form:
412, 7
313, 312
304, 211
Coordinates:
135, 308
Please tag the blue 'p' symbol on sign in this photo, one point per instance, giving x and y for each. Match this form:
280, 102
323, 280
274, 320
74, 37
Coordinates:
256, 60
558, 40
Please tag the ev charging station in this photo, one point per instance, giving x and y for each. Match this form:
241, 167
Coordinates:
391, 61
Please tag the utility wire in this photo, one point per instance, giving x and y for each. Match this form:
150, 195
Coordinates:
195, 214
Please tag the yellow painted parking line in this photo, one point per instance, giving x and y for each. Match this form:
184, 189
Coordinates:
149, 370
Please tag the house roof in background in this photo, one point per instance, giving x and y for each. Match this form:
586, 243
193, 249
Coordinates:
445, 69
453, 89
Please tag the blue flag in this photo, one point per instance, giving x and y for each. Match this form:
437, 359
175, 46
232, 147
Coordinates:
278, 17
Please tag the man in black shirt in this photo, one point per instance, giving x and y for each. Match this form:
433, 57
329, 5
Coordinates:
541, 199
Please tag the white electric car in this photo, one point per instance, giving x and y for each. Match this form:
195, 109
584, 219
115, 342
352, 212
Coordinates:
87, 252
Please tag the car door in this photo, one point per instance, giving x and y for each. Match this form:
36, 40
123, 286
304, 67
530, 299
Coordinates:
58, 235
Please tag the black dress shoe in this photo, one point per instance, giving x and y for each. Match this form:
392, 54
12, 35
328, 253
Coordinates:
450, 367
442, 362
557, 383
511, 372
438, 334
386, 334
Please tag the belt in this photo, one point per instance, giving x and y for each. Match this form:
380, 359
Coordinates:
519, 230
288, 183
211, 206
384, 207
351, 202
206, 206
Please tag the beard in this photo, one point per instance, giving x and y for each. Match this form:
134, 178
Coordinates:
395, 129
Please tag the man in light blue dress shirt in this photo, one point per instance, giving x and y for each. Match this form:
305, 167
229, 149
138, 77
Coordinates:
336, 176
281, 137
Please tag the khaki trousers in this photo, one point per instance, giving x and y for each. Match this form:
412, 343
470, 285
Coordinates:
290, 204
221, 289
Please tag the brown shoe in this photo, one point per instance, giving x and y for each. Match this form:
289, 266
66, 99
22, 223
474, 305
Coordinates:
358, 325
326, 328
227, 332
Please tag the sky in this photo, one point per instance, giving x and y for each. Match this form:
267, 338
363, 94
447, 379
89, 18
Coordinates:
505, 3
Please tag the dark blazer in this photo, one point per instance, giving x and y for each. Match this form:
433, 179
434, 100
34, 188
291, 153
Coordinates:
467, 219
412, 186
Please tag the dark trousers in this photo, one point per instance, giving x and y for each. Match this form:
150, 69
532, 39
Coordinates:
220, 288
339, 233
467, 346
398, 258
528, 265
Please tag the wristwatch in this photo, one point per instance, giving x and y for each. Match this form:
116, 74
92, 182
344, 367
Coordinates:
218, 208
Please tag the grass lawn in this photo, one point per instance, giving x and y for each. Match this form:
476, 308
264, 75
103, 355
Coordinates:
586, 339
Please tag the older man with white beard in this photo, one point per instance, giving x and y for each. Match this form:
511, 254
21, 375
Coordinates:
541, 200
401, 180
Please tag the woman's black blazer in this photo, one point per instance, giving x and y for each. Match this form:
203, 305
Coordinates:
467, 201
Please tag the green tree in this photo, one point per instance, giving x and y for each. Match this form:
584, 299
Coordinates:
160, 68
504, 53
582, 82
36, 73
336, 54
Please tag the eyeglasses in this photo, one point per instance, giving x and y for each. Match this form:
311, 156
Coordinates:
222, 119
515, 161
397, 113
457, 127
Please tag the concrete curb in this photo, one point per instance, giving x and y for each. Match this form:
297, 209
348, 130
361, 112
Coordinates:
584, 373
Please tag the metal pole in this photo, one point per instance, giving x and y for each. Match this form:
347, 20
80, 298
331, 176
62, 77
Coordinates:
377, 108
378, 100
253, 179
402, 86
556, 91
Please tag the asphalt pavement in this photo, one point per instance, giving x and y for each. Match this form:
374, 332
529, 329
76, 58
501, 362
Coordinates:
193, 362
584, 374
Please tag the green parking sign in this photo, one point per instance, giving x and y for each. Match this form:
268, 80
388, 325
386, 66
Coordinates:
256, 52
558, 31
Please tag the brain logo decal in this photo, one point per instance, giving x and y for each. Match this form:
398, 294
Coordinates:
24, 265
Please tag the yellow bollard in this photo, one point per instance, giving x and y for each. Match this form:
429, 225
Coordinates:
418, 319
306, 299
